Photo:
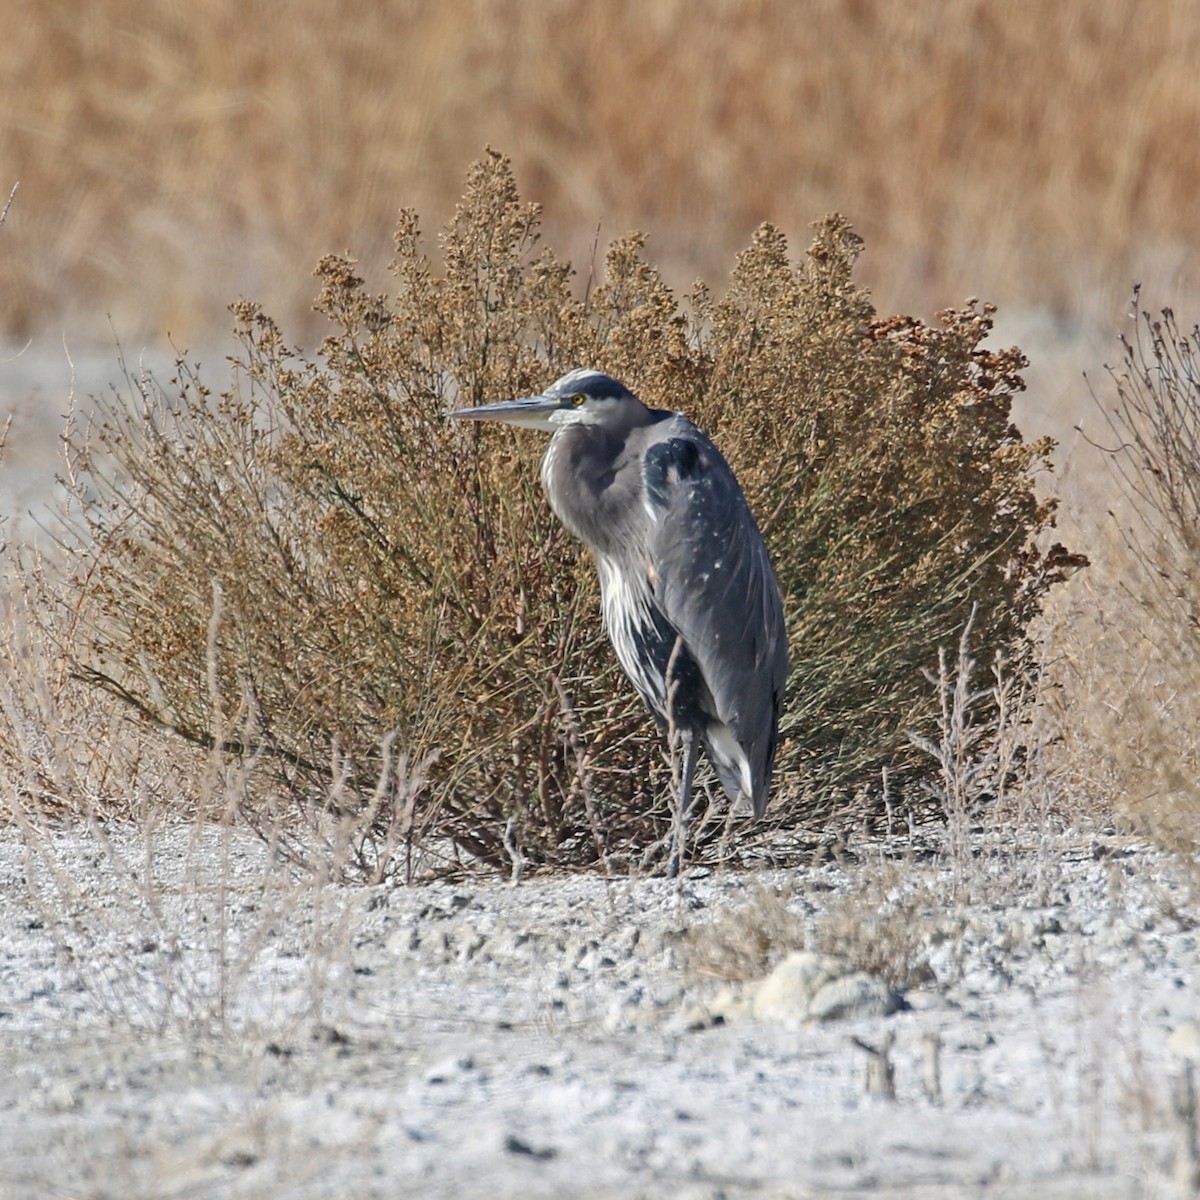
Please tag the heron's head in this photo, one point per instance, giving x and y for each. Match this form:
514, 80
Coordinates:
581, 397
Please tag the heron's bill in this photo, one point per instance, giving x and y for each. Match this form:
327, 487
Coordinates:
531, 412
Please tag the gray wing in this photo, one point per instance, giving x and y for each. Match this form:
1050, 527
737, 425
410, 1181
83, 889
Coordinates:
713, 581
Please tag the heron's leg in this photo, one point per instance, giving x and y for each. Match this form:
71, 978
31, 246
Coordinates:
690, 750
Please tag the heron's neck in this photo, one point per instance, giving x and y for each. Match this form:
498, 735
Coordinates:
594, 485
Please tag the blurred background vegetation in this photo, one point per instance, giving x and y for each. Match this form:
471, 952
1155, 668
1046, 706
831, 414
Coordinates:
176, 155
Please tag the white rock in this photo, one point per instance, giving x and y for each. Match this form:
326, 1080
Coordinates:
818, 987
1184, 1041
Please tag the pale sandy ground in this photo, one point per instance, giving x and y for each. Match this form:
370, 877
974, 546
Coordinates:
192, 1022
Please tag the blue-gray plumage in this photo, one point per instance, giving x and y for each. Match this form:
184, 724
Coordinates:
690, 600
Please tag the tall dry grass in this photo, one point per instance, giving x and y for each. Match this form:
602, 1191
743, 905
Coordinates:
174, 156
1129, 637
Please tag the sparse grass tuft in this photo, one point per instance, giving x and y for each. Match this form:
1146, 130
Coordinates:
313, 573
884, 925
988, 753
888, 931
1148, 753
747, 941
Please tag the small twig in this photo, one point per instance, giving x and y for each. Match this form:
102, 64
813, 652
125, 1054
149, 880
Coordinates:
8, 202
881, 1075
931, 1067
583, 772
1183, 1105
98, 679
786, 499
512, 848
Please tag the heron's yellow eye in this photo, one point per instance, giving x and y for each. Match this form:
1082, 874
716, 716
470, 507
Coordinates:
578, 399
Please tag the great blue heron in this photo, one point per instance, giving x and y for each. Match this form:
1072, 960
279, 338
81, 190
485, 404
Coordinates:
690, 600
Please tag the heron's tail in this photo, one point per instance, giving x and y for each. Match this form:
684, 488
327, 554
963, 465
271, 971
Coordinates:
734, 771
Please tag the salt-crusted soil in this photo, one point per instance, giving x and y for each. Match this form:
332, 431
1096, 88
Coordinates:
196, 1022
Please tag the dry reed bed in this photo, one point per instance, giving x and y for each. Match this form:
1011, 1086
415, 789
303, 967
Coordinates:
172, 157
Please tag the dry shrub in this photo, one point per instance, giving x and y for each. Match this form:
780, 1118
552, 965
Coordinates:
1146, 750
898, 495
64, 752
314, 562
